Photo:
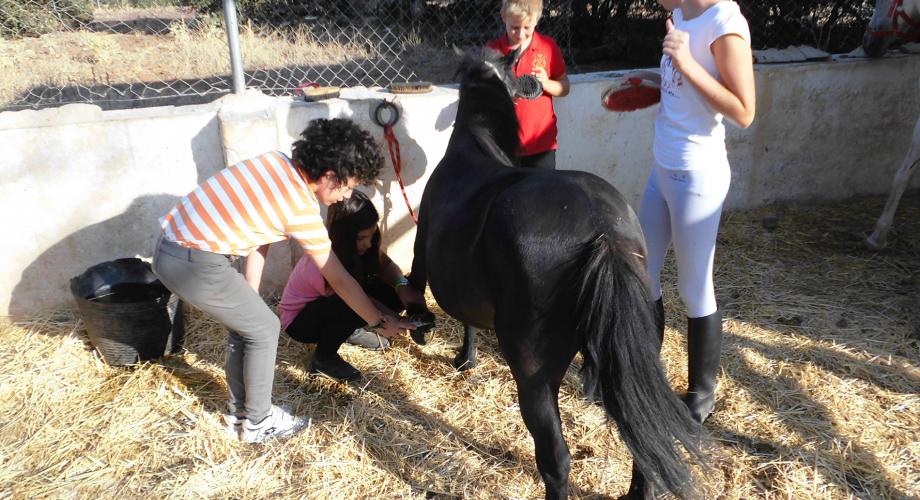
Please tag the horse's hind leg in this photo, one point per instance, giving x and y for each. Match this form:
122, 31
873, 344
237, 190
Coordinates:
538, 374
540, 409
466, 358
639, 487
878, 239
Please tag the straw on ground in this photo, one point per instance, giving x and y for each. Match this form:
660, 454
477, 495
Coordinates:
818, 397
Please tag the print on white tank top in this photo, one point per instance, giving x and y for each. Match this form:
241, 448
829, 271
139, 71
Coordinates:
688, 133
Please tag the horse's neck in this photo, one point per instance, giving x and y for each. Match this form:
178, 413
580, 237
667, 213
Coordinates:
496, 135
483, 136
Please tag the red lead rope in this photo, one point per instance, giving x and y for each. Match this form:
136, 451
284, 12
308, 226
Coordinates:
393, 146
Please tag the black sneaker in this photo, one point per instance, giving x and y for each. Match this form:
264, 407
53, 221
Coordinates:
334, 366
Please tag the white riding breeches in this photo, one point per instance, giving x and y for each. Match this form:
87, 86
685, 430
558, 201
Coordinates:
683, 207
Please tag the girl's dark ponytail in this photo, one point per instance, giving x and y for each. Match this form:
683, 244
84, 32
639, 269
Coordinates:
344, 219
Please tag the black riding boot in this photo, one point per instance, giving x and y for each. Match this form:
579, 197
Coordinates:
659, 321
704, 346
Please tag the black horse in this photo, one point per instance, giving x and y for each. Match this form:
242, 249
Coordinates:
553, 261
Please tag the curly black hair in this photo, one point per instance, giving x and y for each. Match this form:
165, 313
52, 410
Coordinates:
338, 145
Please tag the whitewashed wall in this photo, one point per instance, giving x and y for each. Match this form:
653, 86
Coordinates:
79, 186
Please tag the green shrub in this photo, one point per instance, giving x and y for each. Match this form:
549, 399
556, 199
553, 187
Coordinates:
36, 17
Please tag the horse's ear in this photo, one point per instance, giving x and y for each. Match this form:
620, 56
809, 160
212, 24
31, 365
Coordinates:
466, 61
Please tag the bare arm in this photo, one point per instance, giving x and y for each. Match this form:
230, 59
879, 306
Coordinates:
382, 307
734, 95
391, 274
255, 264
351, 292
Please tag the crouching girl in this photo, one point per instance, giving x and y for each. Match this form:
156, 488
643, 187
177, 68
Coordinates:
312, 311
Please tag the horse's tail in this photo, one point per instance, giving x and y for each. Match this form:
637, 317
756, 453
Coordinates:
622, 365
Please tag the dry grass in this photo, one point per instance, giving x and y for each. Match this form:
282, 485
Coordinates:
818, 398
89, 58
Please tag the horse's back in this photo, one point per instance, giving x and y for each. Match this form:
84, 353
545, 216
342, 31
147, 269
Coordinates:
538, 228
566, 208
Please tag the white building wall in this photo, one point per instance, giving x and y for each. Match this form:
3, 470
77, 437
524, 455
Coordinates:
79, 186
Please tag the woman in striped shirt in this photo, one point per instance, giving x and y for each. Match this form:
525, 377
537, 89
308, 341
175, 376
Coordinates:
239, 212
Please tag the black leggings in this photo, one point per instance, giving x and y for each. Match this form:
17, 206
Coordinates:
328, 321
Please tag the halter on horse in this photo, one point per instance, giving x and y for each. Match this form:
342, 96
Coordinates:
553, 262
900, 21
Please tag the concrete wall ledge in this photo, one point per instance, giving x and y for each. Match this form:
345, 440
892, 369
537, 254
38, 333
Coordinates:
77, 113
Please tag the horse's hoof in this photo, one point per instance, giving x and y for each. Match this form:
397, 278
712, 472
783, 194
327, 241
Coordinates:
423, 325
874, 242
418, 335
637, 496
462, 363
423, 320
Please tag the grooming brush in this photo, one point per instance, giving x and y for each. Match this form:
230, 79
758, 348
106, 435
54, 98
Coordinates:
312, 94
528, 87
410, 87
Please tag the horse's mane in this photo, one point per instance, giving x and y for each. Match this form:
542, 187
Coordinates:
486, 107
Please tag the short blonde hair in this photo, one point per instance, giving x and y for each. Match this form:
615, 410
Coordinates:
523, 9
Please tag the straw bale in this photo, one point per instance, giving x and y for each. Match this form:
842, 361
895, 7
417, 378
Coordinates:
819, 395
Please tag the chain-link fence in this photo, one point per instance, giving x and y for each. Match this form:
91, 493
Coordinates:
131, 53
117, 54
374, 43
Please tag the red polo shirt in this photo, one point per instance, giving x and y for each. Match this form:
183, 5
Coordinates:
536, 118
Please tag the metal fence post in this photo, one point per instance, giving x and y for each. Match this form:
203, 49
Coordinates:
232, 26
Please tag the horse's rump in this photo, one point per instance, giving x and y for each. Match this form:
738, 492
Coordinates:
537, 229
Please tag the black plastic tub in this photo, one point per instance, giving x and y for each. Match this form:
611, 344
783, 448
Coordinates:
129, 315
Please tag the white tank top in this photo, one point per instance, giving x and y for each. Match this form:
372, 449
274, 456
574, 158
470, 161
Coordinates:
688, 133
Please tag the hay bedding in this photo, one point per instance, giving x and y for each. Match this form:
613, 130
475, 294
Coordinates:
818, 398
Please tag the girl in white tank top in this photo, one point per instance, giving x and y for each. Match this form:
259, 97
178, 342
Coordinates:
706, 75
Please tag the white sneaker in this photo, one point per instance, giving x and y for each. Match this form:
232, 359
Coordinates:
281, 422
233, 425
368, 340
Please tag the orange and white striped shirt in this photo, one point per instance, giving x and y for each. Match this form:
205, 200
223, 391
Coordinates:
255, 202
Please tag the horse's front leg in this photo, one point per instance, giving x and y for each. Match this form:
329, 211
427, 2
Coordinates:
878, 239
466, 357
418, 274
418, 313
